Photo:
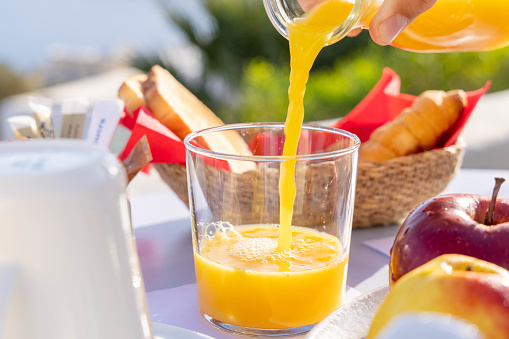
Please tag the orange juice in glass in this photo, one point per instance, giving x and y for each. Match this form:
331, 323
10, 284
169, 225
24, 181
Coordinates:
247, 283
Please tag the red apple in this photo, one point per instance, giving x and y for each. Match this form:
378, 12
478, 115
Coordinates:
453, 223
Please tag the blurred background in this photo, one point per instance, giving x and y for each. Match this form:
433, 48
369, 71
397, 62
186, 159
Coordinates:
224, 51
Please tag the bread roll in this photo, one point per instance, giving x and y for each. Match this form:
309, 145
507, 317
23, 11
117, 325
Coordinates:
175, 106
420, 129
375, 152
181, 112
417, 128
396, 138
131, 92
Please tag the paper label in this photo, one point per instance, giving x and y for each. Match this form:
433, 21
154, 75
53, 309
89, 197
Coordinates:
23, 127
44, 125
24, 133
104, 121
72, 126
23, 163
74, 114
41, 111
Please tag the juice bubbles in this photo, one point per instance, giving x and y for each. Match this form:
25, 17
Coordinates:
244, 280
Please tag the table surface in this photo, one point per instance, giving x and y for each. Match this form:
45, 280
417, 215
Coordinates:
162, 228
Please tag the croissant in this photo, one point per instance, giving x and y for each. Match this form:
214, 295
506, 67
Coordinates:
417, 129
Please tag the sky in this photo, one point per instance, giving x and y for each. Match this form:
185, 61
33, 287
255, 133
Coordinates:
31, 29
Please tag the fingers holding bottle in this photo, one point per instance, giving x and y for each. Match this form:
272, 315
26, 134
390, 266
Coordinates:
307, 5
394, 16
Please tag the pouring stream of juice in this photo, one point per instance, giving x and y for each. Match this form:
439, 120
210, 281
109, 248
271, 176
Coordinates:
307, 37
255, 276
450, 25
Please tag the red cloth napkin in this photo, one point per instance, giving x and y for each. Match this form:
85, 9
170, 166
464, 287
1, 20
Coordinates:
382, 104
165, 146
309, 143
385, 102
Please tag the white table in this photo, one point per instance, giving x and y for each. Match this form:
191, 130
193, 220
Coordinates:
163, 234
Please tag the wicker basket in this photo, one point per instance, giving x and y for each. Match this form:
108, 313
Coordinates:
385, 191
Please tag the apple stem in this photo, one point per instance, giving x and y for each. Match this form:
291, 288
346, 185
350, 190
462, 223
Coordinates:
489, 214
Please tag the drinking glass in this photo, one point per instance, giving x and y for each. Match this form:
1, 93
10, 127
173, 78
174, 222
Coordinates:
246, 282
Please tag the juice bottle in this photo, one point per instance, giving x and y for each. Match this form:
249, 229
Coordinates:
450, 25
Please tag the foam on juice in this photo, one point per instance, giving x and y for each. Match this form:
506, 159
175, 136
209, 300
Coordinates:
243, 279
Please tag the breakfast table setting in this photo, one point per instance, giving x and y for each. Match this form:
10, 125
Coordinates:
162, 196
165, 220
178, 194
364, 226
162, 229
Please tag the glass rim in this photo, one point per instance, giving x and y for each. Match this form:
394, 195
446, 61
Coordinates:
265, 158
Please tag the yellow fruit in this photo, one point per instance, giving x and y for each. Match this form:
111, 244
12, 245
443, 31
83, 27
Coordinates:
468, 288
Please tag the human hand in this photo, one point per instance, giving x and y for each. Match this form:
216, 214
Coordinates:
394, 16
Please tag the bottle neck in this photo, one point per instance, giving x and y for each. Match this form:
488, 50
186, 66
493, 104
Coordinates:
370, 8
283, 12
354, 20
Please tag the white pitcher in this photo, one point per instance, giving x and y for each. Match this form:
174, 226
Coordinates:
68, 263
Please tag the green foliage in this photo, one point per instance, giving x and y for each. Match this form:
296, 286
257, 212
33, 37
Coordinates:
331, 93
263, 91
243, 33
446, 71
10, 82
244, 39
253, 60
